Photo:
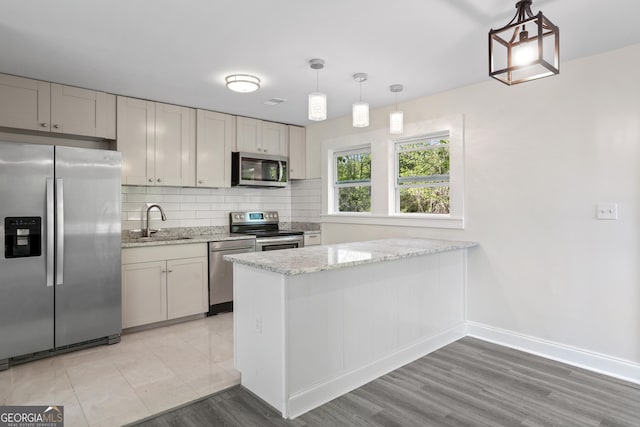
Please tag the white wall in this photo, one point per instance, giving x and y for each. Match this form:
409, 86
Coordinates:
538, 157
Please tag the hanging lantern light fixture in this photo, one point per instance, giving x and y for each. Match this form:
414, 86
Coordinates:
525, 49
396, 118
317, 99
360, 110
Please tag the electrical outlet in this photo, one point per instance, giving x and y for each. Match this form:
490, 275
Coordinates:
607, 211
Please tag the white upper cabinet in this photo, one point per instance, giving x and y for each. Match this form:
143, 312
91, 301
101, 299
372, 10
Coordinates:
257, 136
82, 112
275, 138
157, 142
215, 141
50, 107
175, 160
297, 152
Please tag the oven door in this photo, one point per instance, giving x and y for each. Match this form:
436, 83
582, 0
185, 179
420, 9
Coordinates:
280, 242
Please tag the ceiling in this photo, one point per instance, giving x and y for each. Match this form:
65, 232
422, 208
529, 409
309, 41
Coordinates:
180, 51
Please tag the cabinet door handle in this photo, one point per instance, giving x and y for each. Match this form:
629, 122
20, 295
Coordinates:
150, 179
170, 271
44, 125
200, 181
163, 271
264, 149
159, 179
56, 126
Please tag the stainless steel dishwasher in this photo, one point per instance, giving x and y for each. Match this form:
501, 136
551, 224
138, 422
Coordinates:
221, 272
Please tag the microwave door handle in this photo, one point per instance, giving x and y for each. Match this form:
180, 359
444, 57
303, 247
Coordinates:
280, 171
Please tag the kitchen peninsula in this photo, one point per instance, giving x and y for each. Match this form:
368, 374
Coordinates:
314, 323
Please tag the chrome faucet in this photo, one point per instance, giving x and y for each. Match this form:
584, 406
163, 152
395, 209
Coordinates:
147, 231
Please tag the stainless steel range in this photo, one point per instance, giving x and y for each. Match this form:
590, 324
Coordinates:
264, 225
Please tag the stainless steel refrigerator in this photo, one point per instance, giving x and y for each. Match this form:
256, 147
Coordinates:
60, 232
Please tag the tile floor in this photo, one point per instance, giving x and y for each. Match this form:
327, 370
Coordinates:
146, 373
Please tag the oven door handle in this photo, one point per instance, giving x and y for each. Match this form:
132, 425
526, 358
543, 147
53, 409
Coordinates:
282, 239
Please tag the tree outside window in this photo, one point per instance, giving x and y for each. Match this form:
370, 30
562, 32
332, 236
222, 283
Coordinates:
422, 180
352, 188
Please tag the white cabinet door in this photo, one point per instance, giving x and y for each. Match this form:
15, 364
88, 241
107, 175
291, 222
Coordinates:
275, 139
312, 239
249, 135
215, 141
24, 103
186, 287
297, 152
136, 139
82, 112
144, 293
175, 150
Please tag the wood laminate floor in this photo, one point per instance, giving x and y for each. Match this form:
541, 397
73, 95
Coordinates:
467, 383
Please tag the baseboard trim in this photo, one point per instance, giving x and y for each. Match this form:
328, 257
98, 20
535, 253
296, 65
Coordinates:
304, 401
581, 358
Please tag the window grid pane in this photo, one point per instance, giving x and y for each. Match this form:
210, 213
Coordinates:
352, 181
422, 180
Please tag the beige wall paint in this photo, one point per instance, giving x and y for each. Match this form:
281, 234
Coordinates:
539, 156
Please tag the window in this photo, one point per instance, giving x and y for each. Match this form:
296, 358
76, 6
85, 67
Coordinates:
352, 180
422, 175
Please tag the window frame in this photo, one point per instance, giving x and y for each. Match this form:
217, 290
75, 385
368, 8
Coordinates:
337, 186
444, 134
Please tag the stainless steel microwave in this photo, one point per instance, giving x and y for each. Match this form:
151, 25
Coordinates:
258, 170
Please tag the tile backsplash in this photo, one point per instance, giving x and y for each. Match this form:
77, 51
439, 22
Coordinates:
206, 207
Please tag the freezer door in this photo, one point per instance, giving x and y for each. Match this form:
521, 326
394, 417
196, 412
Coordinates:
26, 300
88, 289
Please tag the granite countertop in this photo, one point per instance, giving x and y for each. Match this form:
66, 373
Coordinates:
311, 259
128, 242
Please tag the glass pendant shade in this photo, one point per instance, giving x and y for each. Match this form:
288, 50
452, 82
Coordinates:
525, 49
360, 114
317, 106
396, 122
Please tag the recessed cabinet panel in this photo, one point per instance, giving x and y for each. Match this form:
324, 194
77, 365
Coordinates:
81, 111
159, 283
186, 287
297, 152
249, 135
215, 139
158, 143
275, 138
144, 293
136, 140
24, 103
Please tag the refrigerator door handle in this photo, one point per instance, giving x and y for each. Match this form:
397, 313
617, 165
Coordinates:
59, 231
50, 229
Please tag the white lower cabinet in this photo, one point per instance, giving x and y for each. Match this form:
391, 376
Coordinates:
163, 282
312, 238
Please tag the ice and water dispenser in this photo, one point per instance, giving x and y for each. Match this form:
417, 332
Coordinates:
22, 236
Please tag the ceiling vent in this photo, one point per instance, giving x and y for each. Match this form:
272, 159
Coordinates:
274, 101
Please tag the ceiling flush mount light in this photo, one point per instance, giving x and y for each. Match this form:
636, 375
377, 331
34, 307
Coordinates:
360, 109
396, 118
525, 49
317, 99
243, 83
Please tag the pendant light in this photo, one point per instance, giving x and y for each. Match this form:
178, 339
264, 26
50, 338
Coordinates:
243, 83
360, 109
525, 49
396, 118
317, 99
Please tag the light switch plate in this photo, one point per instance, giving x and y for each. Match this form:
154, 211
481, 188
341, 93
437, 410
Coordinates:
607, 211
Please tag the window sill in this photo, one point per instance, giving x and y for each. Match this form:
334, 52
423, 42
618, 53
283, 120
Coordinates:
398, 220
